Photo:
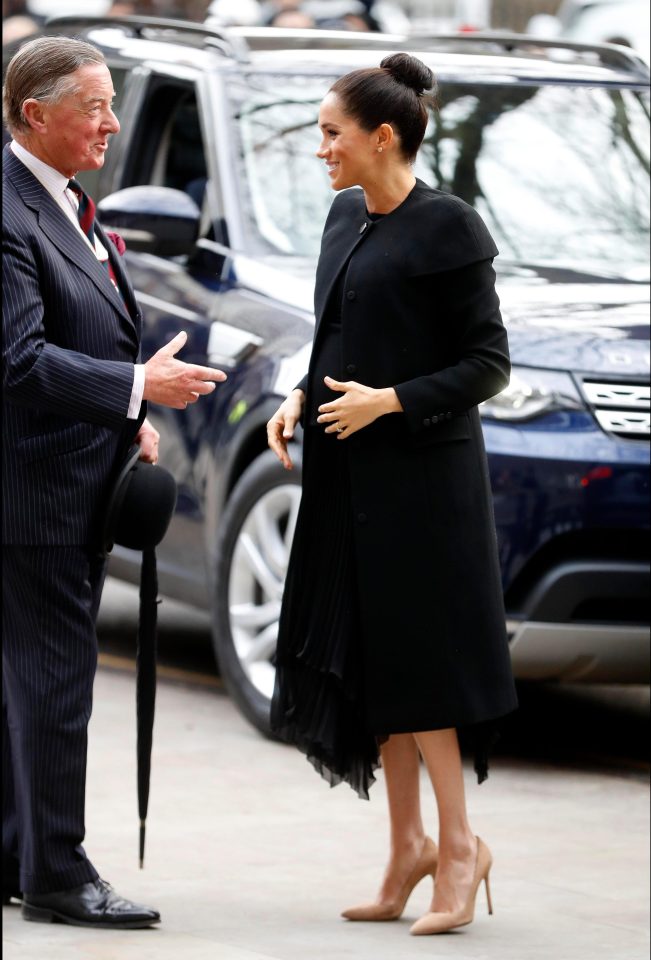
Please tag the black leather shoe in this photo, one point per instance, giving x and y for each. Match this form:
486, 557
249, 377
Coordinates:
10, 894
91, 905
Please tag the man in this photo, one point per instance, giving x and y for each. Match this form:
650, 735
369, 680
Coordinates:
74, 400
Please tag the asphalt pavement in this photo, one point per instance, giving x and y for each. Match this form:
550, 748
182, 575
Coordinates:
250, 856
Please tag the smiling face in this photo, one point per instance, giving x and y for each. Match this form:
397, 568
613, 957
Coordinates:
349, 151
73, 134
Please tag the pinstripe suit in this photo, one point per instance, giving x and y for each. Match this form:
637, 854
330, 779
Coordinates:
69, 347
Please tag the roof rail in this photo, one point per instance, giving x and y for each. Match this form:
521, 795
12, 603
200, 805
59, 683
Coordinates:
238, 42
612, 55
609, 54
149, 26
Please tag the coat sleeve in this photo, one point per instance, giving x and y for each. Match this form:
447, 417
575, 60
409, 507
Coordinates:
43, 375
483, 367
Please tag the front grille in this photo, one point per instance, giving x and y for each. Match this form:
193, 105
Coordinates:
620, 408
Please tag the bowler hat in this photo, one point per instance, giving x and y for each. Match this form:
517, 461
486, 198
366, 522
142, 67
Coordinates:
140, 505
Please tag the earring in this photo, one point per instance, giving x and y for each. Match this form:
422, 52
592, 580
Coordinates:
379, 149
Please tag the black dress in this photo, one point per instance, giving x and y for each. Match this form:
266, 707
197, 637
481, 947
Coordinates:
318, 703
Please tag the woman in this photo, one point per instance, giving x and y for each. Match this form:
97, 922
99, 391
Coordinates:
392, 632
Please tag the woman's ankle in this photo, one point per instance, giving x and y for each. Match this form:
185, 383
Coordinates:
407, 844
459, 845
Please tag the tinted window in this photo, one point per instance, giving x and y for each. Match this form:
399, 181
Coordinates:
560, 174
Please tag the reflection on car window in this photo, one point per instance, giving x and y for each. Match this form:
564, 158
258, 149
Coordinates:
560, 174
288, 190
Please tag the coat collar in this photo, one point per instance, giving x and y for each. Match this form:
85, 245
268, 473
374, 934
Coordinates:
54, 224
348, 226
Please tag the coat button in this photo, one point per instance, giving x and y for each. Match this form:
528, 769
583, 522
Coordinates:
362, 518
351, 295
426, 422
435, 419
351, 368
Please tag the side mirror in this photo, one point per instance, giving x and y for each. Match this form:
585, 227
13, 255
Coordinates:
152, 219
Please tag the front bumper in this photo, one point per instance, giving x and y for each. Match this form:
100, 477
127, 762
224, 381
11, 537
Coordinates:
572, 514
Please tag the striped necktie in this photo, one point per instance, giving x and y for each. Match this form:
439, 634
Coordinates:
86, 215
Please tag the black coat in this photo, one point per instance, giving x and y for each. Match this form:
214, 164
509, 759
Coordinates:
420, 313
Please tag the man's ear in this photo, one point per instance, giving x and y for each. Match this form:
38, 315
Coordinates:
35, 114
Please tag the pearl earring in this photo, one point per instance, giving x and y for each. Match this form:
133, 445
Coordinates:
379, 149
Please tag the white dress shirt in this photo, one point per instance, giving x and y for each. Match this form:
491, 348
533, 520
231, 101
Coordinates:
56, 185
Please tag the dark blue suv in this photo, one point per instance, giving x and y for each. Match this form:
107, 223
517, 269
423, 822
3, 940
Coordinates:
214, 184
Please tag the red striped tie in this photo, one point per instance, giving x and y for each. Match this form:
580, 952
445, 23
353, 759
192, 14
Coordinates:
86, 215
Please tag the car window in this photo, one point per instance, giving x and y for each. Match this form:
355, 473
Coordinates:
560, 174
167, 147
287, 191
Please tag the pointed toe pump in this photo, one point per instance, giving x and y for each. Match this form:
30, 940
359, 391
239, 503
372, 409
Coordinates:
392, 910
441, 922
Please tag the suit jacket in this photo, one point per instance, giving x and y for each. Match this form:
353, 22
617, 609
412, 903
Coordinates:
420, 313
69, 346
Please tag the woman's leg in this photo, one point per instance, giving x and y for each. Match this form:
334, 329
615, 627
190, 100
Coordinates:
457, 843
409, 851
401, 766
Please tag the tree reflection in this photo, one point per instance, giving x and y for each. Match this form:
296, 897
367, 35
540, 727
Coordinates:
560, 173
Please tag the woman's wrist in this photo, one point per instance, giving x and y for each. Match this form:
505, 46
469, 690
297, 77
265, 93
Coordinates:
389, 401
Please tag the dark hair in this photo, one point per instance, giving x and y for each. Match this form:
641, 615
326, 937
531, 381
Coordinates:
397, 92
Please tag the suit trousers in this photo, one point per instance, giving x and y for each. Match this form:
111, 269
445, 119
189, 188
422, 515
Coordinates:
51, 597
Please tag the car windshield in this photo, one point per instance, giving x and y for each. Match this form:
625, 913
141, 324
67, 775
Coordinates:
559, 173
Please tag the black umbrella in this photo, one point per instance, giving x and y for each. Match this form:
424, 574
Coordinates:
139, 510
146, 683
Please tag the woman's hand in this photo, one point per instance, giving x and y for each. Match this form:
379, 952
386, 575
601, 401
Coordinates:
281, 427
357, 408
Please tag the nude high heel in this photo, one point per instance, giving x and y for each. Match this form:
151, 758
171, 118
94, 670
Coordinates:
440, 922
392, 910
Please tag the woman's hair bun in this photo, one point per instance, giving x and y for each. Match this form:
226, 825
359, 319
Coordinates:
410, 71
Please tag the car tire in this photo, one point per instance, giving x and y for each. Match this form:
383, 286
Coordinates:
253, 545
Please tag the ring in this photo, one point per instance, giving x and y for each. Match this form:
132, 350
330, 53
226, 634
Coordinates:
340, 429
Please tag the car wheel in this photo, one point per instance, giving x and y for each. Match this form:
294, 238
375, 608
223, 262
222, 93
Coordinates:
253, 547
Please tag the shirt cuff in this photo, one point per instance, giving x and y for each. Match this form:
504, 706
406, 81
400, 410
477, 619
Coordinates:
136, 391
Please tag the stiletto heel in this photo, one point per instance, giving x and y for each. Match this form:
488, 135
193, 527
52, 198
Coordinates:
441, 922
489, 899
392, 910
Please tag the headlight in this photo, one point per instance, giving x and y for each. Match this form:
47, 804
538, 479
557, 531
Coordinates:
531, 393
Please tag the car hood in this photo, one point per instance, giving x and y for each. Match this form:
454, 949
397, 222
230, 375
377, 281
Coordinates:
556, 319
595, 326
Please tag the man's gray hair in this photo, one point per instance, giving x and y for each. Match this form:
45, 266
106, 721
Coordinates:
42, 70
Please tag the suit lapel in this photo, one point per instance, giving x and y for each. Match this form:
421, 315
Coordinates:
129, 309
58, 229
56, 226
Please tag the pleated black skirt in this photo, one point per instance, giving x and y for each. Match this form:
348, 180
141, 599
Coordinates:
318, 700
318, 703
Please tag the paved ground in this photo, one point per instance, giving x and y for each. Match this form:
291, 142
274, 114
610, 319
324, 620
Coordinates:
250, 856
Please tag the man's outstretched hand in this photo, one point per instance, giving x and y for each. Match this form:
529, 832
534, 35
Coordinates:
174, 383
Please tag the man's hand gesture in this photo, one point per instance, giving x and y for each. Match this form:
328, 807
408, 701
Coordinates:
174, 383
